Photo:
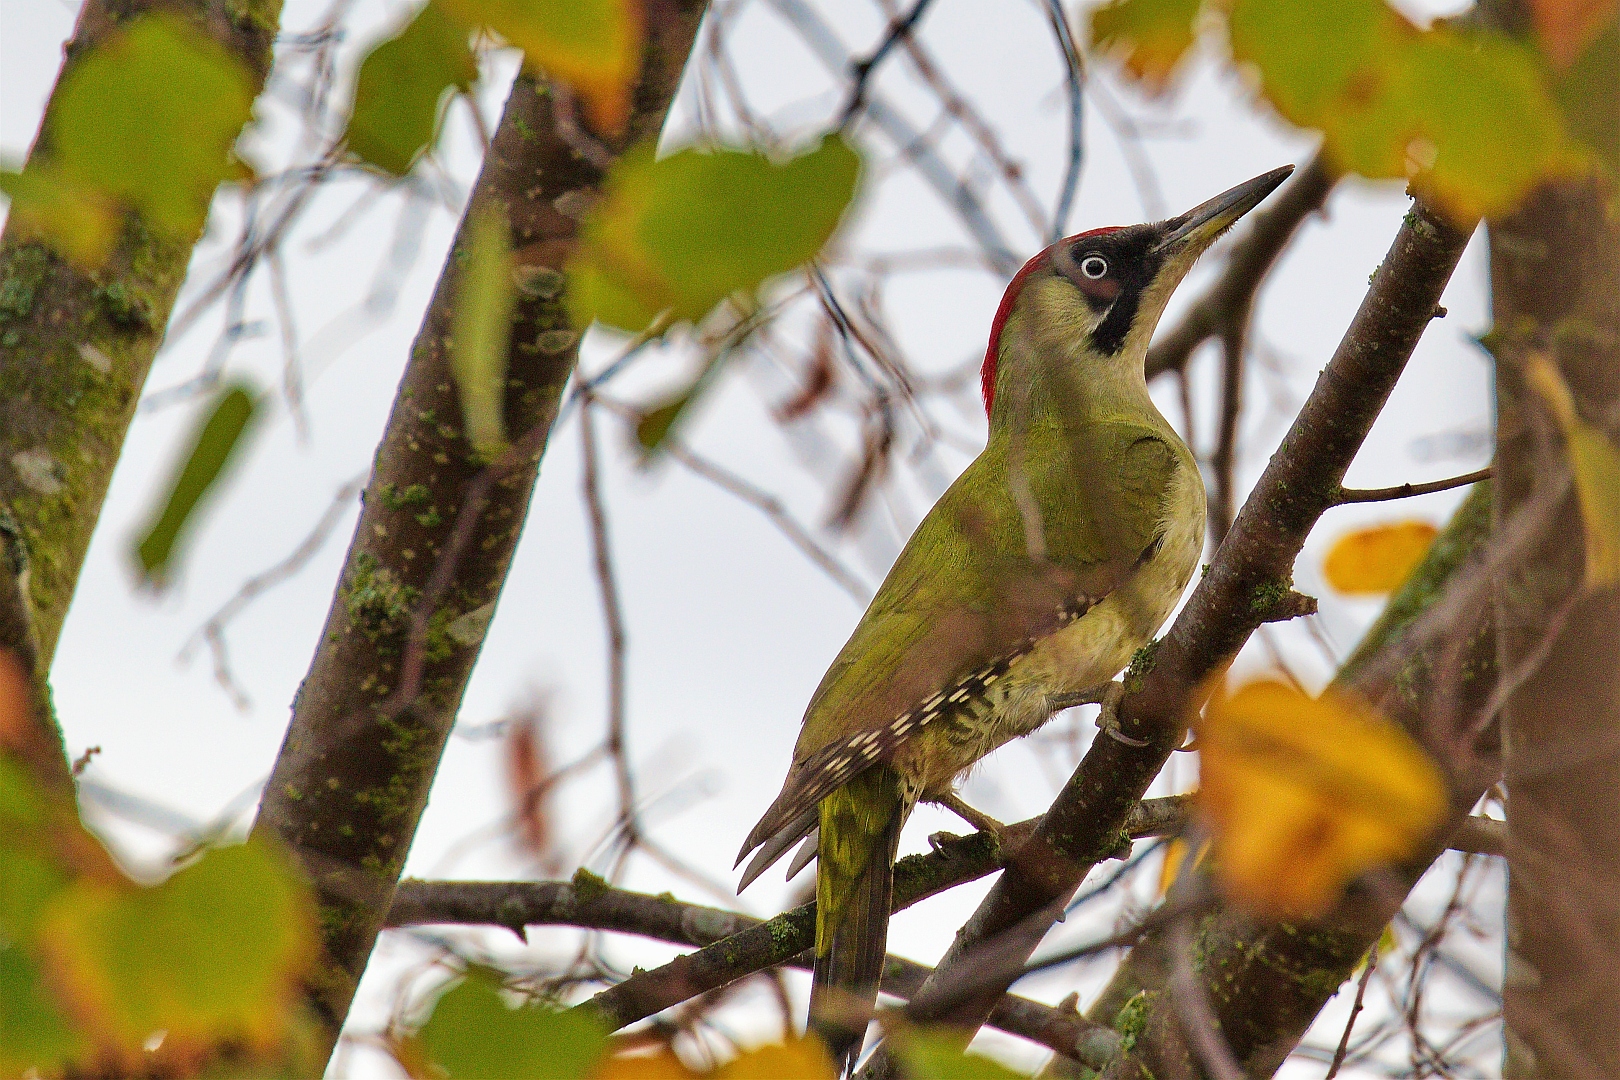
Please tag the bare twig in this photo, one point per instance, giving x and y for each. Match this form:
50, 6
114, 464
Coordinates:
861, 70
1406, 491
1355, 1011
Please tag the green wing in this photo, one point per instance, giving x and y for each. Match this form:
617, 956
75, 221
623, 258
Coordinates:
965, 592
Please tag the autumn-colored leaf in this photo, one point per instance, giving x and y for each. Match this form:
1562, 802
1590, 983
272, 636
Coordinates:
1379, 558
675, 236
75, 219
593, 45
1302, 794
485, 299
803, 1059
1149, 37
213, 956
1175, 858
1566, 27
1465, 116
401, 88
663, 1065
1596, 465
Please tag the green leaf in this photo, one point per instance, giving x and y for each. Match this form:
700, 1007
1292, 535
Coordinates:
213, 955
474, 1034
212, 448
403, 84
594, 45
481, 330
1149, 37
75, 219
149, 119
34, 1032
1596, 464
1588, 92
1465, 116
937, 1055
681, 234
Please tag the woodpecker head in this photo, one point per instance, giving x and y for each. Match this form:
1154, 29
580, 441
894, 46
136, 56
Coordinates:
1093, 300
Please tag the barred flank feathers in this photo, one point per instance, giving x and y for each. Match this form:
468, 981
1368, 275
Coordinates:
860, 836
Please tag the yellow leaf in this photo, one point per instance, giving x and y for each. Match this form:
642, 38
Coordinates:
593, 45
76, 219
1567, 27
482, 327
802, 1059
1596, 465
1303, 794
1377, 559
1149, 37
1175, 854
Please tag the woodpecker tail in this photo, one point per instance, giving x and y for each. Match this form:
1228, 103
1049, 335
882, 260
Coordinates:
860, 835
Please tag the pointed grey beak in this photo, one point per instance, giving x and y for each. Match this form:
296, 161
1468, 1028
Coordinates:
1199, 227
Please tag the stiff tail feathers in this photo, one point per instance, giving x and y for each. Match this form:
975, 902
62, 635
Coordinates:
859, 839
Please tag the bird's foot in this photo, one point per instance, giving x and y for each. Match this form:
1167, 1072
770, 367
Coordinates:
977, 818
1108, 716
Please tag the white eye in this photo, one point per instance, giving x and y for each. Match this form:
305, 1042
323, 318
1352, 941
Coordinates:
1094, 266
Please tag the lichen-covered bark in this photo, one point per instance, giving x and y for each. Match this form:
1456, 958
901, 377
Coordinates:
353, 774
1555, 287
75, 347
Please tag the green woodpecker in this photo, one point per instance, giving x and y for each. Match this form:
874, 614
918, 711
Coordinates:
1055, 556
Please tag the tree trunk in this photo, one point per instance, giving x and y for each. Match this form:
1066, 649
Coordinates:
1555, 288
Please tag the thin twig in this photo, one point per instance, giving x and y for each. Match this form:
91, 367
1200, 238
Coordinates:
1355, 1011
861, 70
1406, 491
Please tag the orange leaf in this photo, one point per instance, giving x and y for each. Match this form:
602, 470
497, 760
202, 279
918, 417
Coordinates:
1303, 794
1567, 27
14, 695
1378, 559
663, 1065
804, 1059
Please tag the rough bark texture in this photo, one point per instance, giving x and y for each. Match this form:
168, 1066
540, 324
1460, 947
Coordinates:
1266, 983
353, 775
1555, 287
75, 347
1250, 570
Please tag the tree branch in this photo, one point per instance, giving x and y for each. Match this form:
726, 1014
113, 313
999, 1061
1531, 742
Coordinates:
1406, 491
590, 903
434, 543
1257, 557
1251, 259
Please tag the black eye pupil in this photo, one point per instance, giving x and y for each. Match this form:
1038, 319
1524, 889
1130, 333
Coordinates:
1094, 266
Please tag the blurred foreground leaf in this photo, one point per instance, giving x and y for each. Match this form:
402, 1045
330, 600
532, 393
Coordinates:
77, 220
212, 447
1465, 116
1566, 27
925, 1054
1379, 558
148, 119
1588, 92
1150, 37
593, 45
212, 956
1303, 794
676, 236
402, 86
481, 330
1596, 465
474, 1033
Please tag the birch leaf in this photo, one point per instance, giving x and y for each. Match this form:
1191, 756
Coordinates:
593, 45
481, 331
1377, 559
402, 86
1596, 465
1149, 37
1302, 794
